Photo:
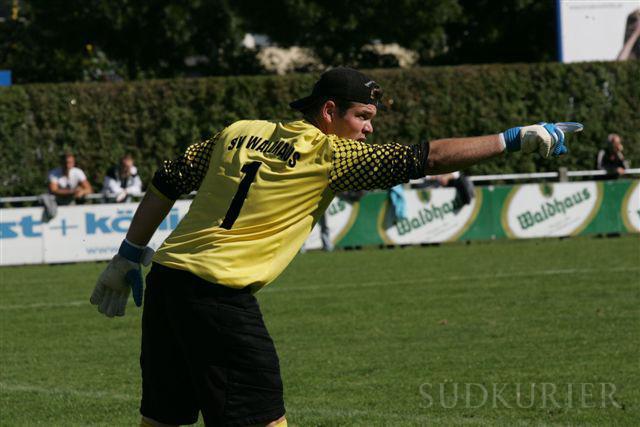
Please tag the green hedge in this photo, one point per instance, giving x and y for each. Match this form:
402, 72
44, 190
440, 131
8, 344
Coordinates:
156, 119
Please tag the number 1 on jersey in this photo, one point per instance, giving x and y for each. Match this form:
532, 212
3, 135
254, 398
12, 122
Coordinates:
250, 170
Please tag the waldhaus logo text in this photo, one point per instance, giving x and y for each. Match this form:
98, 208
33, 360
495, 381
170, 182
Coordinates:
427, 215
336, 207
550, 209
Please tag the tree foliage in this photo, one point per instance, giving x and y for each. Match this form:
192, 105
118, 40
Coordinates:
57, 40
491, 31
338, 30
72, 40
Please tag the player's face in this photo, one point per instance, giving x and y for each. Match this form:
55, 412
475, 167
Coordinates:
356, 122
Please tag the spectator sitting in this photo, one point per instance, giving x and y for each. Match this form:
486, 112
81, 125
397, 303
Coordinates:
68, 183
611, 159
122, 181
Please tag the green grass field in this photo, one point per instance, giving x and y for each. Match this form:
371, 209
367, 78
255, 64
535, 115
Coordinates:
368, 338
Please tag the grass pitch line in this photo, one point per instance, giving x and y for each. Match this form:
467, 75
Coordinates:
44, 305
324, 413
369, 284
349, 414
55, 391
354, 415
453, 279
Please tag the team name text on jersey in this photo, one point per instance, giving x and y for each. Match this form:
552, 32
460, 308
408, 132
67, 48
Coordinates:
280, 149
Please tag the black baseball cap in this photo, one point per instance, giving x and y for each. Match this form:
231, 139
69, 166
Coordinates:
344, 83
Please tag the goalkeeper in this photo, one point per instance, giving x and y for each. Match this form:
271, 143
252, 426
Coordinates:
262, 185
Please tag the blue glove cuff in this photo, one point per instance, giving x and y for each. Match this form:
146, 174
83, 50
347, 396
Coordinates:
130, 252
512, 139
134, 279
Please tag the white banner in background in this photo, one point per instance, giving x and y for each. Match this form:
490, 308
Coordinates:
77, 233
597, 30
340, 216
550, 210
631, 208
433, 215
94, 232
21, 239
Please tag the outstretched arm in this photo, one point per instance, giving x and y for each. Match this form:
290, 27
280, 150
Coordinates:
452, 154
360, 166
447, 155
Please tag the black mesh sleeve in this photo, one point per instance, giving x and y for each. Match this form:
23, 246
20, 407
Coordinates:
185, 173
360, 166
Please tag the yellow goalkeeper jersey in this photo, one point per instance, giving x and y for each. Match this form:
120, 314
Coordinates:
261, 187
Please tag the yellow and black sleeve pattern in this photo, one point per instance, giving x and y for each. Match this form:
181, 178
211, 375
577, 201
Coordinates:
360, 166
185, 173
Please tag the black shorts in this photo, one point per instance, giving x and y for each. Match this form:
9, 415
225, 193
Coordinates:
205, 348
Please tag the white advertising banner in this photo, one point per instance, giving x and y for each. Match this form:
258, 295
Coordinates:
631, 208
339, 217
432, 216
94, 232
550, 210
598, 30
21, 240
77, 233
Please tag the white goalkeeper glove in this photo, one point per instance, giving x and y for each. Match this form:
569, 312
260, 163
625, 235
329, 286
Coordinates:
546, 139
122, 276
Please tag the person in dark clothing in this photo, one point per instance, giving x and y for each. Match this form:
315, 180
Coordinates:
611, 159
122, 181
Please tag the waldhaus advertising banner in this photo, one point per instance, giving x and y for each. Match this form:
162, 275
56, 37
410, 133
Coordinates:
94, 232
497, 212
431, 216
631, 208
550, 210
339, 217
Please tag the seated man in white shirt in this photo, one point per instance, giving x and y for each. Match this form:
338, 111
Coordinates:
67, 182
122, 181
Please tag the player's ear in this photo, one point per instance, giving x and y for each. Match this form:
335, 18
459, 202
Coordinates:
328, 111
